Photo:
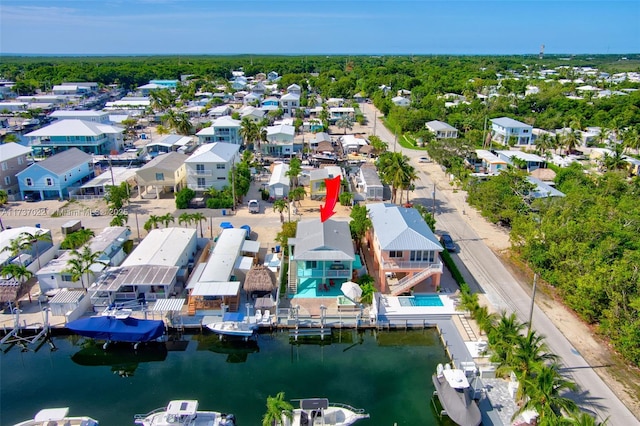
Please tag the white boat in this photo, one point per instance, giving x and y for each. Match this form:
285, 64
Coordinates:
454, 393
58, 416
184, 413
319, 412
233, 328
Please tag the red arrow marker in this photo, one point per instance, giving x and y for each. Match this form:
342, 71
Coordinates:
333, 187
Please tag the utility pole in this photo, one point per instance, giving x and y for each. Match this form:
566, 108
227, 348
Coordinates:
233, 183
375, 120
433, 206
533, 300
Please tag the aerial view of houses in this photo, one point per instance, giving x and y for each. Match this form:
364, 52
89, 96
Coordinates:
130, 200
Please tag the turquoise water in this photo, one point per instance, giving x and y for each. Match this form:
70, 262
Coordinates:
421, 300
386, 373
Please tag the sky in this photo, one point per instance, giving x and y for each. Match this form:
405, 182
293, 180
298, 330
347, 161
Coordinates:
128, 27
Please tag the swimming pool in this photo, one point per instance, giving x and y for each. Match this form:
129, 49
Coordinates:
421, 300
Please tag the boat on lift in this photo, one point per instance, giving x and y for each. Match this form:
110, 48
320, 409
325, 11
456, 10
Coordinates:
58, 416
184, 413
454, 393
319, 412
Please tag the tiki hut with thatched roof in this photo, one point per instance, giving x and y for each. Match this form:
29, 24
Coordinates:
259, 279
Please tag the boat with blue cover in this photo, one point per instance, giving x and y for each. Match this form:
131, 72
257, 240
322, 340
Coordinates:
114, 329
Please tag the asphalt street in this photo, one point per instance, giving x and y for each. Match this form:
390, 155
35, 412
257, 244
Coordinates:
484, 271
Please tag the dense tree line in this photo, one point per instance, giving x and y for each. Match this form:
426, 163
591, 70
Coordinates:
586, 244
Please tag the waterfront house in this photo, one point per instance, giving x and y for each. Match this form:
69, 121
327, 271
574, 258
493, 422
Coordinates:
280, 141
289, 104
318, 138
525, 160
165, 173
161, 261
218, 281
14, 158
352, 144
51, 178
90, 137
317, 186
168, 143
321, 257
506, 130
368, 183
405, 250
441, 130
109, 243
279, 183
210, 164
222, 129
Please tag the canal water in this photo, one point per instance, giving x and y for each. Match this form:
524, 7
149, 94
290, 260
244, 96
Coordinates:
387, 373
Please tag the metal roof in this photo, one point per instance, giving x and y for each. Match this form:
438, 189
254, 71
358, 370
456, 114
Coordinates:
167, 305
227, 288
216, 152
67, 296
169, 162
63, 161
279, 175
401, 228
508, 122
162, 247
439, 125
115, 278
75, 127
12, 150
329, 240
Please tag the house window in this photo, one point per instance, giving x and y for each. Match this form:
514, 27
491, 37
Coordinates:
395, 253
220, 166
4, 165
49, 181
222, 178
311, 264
421, 256
201, 183
65, 277
7, 180
159, 176
28, 182
199, 168
20, 160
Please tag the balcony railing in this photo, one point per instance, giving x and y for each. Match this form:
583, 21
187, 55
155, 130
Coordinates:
319, 273
406, 264
203, 172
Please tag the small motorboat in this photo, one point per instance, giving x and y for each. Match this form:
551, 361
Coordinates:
184, 413
318, 411
58, 416
233, 328
454, 393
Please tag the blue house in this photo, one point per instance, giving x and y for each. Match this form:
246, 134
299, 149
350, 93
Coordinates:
51, 178
223, 129
321, 258
168, 84
88, 136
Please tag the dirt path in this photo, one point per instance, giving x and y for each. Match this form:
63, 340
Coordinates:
621, 379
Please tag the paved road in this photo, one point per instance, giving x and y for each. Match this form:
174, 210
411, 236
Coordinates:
484, 271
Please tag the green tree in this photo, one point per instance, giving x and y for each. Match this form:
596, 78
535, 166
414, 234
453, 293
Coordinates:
11, 137
118, 196
277, 409
289, 230
28, 241
19, 272
152, 223
250, 132
184, 197
378, 145
530, 353
79, 266
345, 122
367, 284
185, 219
119, 219
199, 218
4, 197
297, 194
167, 219
77, 239
360, 223
294, 172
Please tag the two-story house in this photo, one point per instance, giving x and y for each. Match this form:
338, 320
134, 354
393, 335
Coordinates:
210, 164
441, 130
86, 115
222, 129
321, 258
294, 89
405, 250
317, 185
523, 160
506, 130
14, 158
51, 178
165, 173
280, 141
289, 104
92, 138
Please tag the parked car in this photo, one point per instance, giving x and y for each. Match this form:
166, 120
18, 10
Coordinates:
424, 160
29, 198
254, 206
447, 242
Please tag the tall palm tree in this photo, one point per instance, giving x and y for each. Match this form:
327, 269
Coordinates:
76, 239
571, 140
182, 124
29, 241
345, 122
584, 419
277, 408
504, 337
119, 219
167, 219
298, 194
80, 264
152, 222
295, 170
544, 395
249, 130
199, 217
185, 219
14, 248
530, 353
615, 161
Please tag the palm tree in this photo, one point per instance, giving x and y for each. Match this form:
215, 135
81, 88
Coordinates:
295, 169
529, 354
76, 239
277, 407
298, 194
615, 161
152, 223
571, 140
81, 263
19, 272
14, 248
630, 138
166, 219
249, 130
4, 197
185, 219
28, 241
504, 337
544, 395
395, 170
119, 219
584, 419
279, 206
182, 124
345, 122
199, 217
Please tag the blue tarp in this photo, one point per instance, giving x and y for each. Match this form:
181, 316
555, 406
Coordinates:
233, 316
248, 229
226, 225
118, 330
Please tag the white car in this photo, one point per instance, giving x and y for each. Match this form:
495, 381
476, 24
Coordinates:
424, 160
254, 206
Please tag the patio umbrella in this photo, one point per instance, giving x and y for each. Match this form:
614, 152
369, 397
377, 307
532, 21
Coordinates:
351, 290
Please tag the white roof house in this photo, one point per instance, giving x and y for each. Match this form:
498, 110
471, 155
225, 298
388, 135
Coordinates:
441, 129
12, 150
279, 181
97, 138
328, 240
221, 264
74, 127
351, 144
491, 163
217, 152
210, 164
166, 246
401, 228
401, 101
280, 133
533, 161
7, 235
86, 115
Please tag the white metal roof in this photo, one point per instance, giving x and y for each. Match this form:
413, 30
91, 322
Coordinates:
250, 246
328, 240
75, 127
279, 175
161, 247
217, 152
168, 305
66, 296
281, 129
400, 228
225, 288
12, 150
508, 122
